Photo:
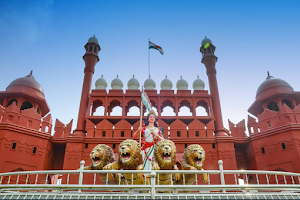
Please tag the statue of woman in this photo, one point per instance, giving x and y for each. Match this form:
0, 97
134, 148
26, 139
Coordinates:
152, 134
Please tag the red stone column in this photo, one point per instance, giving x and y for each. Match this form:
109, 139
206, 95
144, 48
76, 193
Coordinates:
90, 58
210, 62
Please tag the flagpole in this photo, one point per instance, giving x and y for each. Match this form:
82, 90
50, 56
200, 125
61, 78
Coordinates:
141, 119
148, 58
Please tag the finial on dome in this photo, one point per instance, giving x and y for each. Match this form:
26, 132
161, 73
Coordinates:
149, 76
205, 37
133, 76
198, 76
166, 76
31, 72
268, 73
181, 77
102, 76
94, 35
117, 76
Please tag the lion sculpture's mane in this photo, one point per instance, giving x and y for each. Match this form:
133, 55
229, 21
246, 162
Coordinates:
165, 159
193, 159
101, 155
130, 158
158, 153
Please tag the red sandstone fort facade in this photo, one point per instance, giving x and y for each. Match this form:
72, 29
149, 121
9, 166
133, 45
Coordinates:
26, 141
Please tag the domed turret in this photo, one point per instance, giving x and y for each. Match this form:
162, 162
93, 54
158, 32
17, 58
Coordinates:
27, 83
206, 41
116, 84
166, 84
181, 84
133, 84
93, 40
149, 84
198, 84
101, 83
273, 85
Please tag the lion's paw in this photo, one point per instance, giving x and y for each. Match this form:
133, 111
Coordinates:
177, 177
140, 177
155, 167
108, 167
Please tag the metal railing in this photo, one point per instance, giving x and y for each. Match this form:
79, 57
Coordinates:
87, 182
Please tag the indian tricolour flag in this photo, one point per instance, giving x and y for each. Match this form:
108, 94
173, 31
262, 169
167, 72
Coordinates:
146, 101
154, 46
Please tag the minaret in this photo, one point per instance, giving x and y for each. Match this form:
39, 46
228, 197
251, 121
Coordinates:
90, 58
209, 60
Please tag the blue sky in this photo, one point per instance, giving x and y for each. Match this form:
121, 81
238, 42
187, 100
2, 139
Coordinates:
252, 37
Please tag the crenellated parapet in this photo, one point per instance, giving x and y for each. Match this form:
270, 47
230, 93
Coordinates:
28, 118
238, 130
61, 130
270, 119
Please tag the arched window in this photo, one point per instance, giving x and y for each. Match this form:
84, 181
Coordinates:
114, 108
202, 109
91, 48
185, 108
11, 101
97, 108
95, 49
273, 106
167, 108
132, 108
26, 105
288, 103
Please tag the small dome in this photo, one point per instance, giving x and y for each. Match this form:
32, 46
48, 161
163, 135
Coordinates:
198, 84
166, 84
101, 83
149, 84
205, 40
93, 40
181, 84
116, 84
273, 85
27, 81
133, 84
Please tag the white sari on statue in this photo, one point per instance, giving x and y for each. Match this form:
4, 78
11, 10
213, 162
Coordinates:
148, 151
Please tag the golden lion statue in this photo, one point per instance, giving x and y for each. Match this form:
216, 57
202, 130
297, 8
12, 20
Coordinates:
130, 158
101, 155
165, 159
193, 159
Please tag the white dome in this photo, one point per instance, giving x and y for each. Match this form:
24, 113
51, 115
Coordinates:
116, 84
166, 84
133, 84
181, 84
205, 41
101, 83
93, 40
149, 84
198, 84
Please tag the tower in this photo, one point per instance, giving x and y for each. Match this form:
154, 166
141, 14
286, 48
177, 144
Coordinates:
90, 58
209, 60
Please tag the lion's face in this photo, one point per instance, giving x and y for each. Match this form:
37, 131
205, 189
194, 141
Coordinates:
195, 155
165, 153
129, 153
101, 155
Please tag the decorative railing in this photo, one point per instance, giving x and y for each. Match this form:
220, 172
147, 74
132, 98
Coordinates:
219, 183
